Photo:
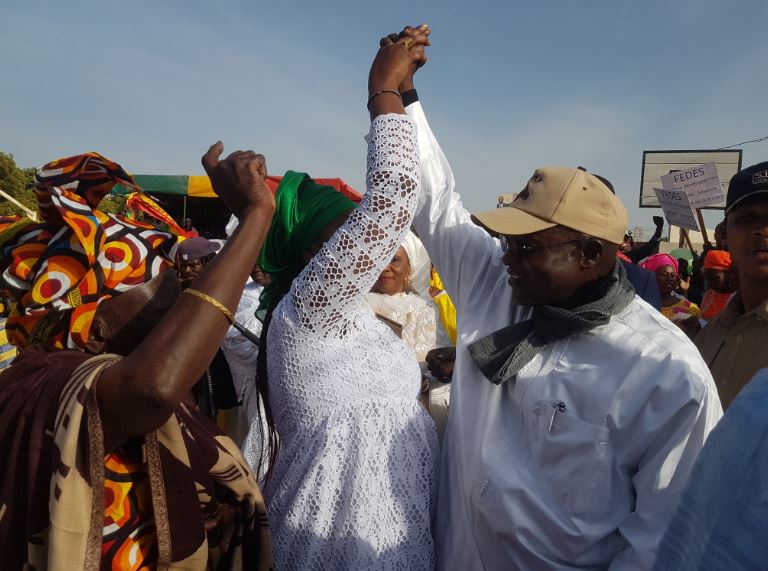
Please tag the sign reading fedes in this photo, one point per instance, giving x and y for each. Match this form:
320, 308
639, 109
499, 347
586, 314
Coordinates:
701, 184
677, 208
657, 164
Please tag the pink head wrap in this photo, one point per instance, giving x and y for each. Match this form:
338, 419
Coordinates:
653, 263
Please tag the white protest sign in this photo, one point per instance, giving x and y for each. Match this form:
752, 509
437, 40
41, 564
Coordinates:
701, 183
677, 208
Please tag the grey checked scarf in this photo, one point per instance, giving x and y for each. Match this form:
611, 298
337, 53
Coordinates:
502, 354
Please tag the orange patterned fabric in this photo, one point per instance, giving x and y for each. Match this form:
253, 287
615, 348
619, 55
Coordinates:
140, 202
12, 225
713, 303
129, 540
61, 269
91, 176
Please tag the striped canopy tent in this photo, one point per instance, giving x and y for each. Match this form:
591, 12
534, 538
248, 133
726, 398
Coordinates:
200, 186
189, 197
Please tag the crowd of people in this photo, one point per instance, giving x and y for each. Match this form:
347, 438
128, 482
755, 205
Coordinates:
399, 384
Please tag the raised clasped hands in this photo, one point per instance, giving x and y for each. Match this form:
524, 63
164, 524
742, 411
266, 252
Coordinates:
398, 58
407, 35
239, 179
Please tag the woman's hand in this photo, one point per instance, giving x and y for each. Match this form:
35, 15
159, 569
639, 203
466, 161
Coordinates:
393, 64
407, 33
240, 179
434, 291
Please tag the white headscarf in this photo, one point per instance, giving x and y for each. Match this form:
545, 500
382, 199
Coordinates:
414, 309
420, 265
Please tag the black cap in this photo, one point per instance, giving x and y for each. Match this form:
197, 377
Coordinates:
747, 183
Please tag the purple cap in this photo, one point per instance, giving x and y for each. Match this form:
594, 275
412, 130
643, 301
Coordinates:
196, 248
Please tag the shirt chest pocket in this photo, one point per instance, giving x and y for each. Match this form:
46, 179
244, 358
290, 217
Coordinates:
571, 457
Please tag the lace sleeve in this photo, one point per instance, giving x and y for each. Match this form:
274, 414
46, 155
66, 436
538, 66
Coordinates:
348, 265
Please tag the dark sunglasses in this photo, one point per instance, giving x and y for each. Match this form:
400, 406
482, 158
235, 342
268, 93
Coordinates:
510, 244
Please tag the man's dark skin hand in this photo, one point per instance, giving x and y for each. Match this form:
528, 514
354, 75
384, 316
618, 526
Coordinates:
440, 362
386, 75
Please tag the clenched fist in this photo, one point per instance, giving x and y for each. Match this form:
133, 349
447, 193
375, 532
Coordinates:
240, 179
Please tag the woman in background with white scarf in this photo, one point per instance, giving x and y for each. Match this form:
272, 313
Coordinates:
401, 295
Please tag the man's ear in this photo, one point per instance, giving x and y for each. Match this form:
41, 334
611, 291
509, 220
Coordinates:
591, 253
98, 336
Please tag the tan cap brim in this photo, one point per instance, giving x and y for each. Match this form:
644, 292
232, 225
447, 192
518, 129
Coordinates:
511, 221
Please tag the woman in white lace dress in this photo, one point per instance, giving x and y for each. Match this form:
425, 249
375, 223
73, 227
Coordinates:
353, 483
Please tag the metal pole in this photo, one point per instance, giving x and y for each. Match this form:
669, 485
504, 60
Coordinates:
184, 213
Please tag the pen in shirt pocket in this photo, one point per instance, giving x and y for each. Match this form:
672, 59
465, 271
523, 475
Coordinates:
559, 408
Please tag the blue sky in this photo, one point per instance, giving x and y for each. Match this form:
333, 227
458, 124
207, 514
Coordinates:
509, 85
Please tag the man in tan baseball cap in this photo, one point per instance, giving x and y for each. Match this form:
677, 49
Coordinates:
577, 410
560, 196
560, 235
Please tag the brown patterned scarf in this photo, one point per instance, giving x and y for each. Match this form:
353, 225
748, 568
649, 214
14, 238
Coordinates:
51, 443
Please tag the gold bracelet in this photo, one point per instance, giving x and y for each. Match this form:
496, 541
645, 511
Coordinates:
214, 302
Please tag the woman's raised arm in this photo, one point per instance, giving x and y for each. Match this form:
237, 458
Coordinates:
346, 267
138, 394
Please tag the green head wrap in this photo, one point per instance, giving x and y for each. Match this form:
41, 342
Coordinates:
302, 210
